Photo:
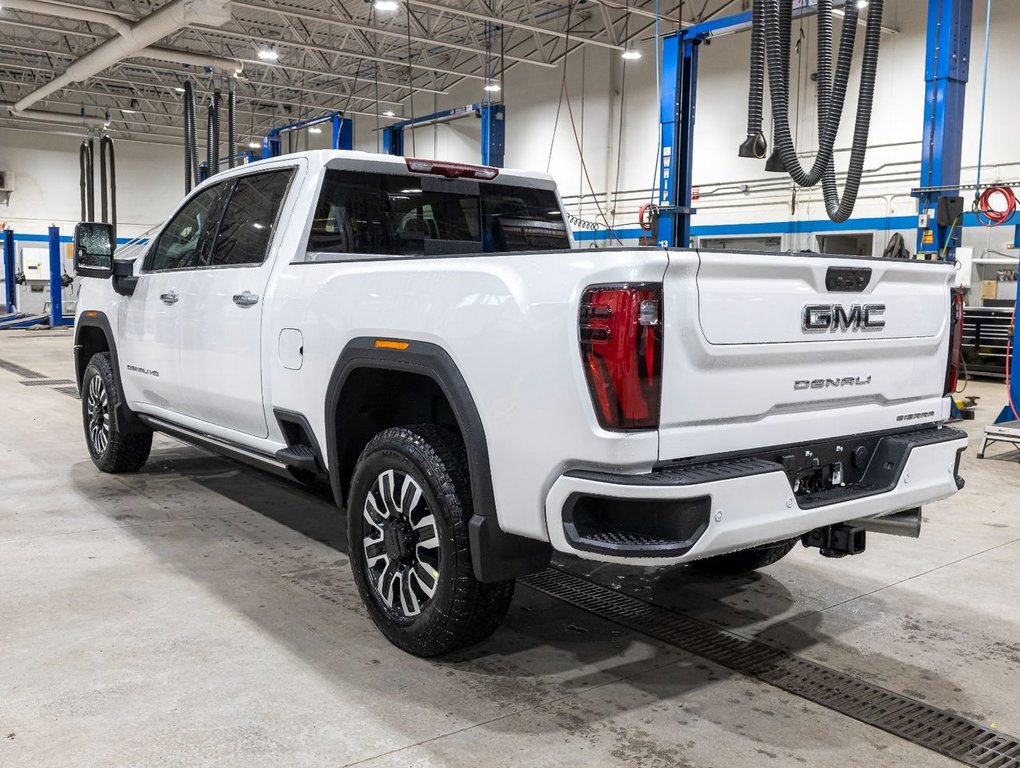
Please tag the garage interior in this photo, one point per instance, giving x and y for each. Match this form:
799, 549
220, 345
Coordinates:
203, 612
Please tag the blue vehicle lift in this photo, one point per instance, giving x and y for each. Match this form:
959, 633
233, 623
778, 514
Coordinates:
493, 118
15, 319
343, 133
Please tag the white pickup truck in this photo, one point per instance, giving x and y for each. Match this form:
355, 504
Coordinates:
480, 392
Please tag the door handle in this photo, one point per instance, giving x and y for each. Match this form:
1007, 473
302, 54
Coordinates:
169, 298
246, 299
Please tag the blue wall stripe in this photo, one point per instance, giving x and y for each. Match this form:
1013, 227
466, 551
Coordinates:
778, 227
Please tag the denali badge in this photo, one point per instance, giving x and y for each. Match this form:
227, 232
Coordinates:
846, 381
836, 317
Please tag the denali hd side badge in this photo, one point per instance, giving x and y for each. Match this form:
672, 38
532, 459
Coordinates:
846, 381
836, 317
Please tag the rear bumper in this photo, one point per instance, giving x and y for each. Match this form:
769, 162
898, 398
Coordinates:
697, 509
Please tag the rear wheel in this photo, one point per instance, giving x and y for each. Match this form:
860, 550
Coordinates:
734, 563
407, 533
111, 449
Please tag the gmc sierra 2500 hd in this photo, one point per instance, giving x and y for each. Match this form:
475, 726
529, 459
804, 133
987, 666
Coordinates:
481, 393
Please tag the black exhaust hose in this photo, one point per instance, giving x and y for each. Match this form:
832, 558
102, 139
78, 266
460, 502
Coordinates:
831, 85
90, 179
104, 197
839, 210
231, 123
774, 164
82, 171
214, 158
187, 138
189, 103
755, 145
209, 142
107, 144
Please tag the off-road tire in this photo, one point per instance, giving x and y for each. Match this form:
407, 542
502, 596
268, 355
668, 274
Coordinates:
735, 563
461, 611
111, 450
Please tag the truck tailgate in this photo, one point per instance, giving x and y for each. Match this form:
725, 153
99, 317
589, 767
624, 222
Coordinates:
770, 349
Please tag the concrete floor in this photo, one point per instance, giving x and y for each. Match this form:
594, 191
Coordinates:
202, 613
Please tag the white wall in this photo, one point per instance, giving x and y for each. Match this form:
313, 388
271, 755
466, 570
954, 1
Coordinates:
150, 182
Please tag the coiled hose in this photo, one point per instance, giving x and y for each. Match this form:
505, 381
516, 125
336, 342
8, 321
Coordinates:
831, 84
231, 124
839, 209
755, 144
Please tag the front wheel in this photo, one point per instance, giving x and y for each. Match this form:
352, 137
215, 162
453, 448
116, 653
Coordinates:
111, 449
734, 563
407, 534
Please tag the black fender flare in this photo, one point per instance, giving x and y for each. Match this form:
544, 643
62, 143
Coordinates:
126, 419
495, 554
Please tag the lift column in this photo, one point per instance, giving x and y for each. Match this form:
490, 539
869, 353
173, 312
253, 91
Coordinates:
56, 283
946, 71
10, 267
676, 123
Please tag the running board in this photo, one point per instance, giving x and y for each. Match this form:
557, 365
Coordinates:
214, 444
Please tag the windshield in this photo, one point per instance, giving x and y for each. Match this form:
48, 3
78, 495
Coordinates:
389, 214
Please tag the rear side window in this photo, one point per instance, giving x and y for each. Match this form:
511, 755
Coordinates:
188, 238
395, 214
249, 220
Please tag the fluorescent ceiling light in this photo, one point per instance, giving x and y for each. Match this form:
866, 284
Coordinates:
253, 145
862, 3
268, 54
179, 89
315, 129
386, 6
388, 113
128, 111
631, 54
492, 87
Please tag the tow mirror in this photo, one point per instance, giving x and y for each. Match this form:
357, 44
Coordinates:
93, 249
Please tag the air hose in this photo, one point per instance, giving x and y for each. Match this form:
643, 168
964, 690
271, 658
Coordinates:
755, 144
785, 12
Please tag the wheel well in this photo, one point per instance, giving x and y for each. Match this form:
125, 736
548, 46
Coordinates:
91, 341
374, 399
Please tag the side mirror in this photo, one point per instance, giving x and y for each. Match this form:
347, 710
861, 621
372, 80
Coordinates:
93, 249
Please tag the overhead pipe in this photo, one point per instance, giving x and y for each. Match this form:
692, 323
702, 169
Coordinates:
170, 18
215, 63
79, 13
65, 118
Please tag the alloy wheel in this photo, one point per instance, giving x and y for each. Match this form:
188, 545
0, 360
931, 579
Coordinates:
401, 544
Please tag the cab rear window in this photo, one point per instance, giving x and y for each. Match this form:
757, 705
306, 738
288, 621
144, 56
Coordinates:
390, 214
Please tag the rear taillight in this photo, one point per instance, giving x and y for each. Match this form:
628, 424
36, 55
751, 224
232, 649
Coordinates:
621, 350
955, 341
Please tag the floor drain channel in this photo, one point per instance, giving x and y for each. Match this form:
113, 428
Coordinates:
924, 725
20, 370
69, 391
45, 382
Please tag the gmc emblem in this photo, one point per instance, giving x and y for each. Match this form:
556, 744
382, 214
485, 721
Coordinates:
836, 317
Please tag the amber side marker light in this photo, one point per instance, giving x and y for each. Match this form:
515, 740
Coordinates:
91, 314
386, 344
